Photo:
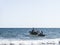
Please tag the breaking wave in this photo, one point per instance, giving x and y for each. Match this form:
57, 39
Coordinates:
30, 42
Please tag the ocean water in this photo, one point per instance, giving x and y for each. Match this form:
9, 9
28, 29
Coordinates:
21, 36
23, 33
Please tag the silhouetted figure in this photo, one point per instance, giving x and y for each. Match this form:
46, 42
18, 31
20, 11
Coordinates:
33, 32
41, 34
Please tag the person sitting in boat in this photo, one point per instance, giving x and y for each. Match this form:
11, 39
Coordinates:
33, 32
41, 34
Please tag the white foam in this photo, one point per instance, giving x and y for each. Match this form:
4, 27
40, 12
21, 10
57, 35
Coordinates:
30, 42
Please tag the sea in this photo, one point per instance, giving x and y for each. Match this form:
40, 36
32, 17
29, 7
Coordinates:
23, 34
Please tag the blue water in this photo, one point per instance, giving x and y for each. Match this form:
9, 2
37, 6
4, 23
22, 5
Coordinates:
23, 33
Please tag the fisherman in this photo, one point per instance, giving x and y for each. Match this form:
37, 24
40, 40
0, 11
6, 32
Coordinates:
41, 32
33, 30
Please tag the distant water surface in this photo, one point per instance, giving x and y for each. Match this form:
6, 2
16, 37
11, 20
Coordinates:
23, 33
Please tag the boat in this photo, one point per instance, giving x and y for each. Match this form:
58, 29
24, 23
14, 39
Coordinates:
33, 32
42, 35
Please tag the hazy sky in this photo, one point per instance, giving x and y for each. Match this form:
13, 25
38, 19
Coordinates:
29, 13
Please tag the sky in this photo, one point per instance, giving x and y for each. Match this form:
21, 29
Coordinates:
30, 13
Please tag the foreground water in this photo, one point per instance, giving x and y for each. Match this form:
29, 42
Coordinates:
30, 42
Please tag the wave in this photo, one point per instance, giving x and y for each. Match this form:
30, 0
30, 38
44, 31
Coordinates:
30, 42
